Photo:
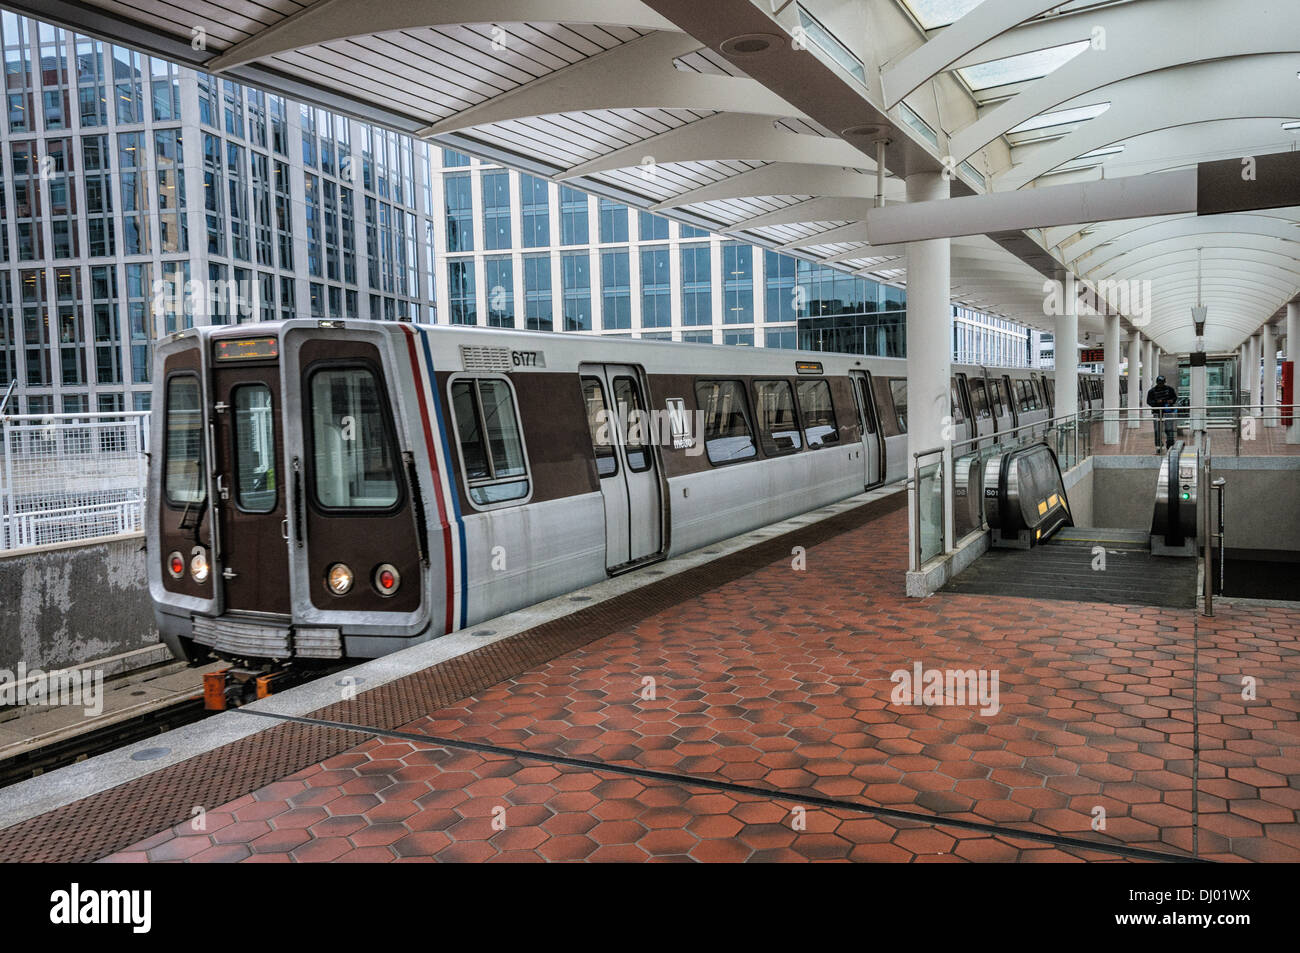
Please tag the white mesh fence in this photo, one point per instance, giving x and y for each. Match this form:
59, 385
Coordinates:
69, 477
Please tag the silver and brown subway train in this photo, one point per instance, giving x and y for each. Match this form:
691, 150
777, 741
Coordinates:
332, 489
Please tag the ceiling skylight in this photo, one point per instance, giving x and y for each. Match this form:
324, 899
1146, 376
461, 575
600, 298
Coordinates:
1061, 117
936, 13
1018, 69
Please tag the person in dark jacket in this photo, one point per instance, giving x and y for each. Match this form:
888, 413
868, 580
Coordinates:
1164, 399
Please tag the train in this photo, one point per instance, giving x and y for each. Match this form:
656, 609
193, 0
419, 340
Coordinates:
339, 489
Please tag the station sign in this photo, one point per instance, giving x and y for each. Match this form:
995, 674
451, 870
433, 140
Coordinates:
1092, 355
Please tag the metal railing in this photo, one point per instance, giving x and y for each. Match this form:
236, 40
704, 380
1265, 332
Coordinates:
69, 477
1250, 424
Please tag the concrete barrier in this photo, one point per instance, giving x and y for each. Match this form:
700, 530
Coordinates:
76, 602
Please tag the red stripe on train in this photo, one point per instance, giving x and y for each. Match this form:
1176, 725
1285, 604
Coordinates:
448, 560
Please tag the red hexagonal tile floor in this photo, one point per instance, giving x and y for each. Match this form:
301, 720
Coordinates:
781, 682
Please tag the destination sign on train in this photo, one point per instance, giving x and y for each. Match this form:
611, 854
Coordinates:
247, 349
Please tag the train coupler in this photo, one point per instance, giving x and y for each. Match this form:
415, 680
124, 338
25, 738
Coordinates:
234, 686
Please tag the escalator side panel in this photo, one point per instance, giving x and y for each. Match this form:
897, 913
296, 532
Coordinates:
1029, 502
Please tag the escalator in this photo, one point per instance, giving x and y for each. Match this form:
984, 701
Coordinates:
1037, 552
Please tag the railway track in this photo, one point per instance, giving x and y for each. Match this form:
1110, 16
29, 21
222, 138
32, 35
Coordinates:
96, 736
114, 729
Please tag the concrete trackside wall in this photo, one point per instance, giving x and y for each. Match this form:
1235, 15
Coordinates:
1124, 491
65, 604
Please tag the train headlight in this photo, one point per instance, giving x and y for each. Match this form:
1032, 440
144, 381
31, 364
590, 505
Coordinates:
339, 579
176, 565
199, 565
387, 579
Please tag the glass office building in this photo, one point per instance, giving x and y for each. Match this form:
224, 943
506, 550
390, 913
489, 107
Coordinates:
138, 198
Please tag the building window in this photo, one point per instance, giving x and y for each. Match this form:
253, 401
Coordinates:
575, 287
92, 98
535, 208
538, 309
652, 227
496, 210
500, 292
697, 285
615, 290
781, 337
573, 216
458, 190
780, 282
613, 222
461, 298
737, 284
656, 289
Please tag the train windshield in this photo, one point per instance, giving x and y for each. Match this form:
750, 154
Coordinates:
354, 458
184, 481
255, 482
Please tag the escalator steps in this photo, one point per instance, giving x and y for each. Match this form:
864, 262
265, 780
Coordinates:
1063, 569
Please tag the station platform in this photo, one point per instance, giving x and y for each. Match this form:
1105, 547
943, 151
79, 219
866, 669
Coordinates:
738, 707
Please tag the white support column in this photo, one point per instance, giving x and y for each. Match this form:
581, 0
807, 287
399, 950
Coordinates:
1293, 355
1135, 393
1197, 397
1110, 429
929, 358
1067, 354
1256, 392
1268, 379
1148, 369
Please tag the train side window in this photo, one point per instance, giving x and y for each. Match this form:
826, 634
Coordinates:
819, 424
979, 399
627, 398
353, 450
254, 448
898, 391
958, 415
491, 444
995, 398
183, 481
868, 410
598, 423
778, 427
728, 436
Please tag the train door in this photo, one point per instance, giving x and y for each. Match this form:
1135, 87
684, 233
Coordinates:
622, 437
977, 397
873, 442
1002, 419
248, 466
1012, 401
960, 409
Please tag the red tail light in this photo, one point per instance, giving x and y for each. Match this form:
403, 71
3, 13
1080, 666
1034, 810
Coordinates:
386, 579
176, 565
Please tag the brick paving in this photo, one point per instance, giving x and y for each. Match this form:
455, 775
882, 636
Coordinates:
780, 681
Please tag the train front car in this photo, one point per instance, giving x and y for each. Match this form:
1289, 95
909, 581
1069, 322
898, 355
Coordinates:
286, 520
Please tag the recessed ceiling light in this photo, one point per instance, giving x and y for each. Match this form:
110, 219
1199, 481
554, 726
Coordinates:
748, 44
1291, 125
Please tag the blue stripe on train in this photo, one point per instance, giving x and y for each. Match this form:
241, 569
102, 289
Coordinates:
450, 476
